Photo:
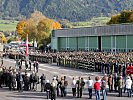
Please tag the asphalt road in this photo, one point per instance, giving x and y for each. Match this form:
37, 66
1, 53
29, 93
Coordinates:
50, 71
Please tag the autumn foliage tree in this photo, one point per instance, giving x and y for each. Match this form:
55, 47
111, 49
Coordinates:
56, 25
38, 27
3, 38
20, 28
125, 16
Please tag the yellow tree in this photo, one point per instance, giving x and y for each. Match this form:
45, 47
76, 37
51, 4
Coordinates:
114, 19
56, 25
130, 19
20, 28
44, 28
3, 38
31, 29
38, 27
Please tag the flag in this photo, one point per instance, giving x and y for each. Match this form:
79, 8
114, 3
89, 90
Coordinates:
27, 45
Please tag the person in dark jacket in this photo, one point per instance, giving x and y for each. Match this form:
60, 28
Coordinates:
30, 65
116, 79
10, 80
31, 81
14, 80
48, 88
53, 93
26, 82
43, 82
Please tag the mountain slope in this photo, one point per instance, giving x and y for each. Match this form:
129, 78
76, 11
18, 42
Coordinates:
73, 10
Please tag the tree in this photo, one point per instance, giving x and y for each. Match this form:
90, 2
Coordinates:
130, 19
3, 38
114, 19
124, 17
20, 28
44, 28
56, 25
38, 27
31, 29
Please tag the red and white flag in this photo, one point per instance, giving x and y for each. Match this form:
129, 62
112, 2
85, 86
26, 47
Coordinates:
27, 45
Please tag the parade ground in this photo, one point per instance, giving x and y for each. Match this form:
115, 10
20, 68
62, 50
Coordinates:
49, 71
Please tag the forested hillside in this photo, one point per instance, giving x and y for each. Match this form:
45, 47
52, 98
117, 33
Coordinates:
72, 10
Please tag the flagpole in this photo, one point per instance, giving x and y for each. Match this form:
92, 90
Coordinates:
27, 51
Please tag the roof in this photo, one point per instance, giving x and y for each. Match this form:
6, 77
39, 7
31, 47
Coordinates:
117, 29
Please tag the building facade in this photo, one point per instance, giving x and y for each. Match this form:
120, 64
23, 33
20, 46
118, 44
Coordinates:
112, 38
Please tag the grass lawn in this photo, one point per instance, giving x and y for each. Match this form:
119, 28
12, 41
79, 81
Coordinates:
99, 21
8, 25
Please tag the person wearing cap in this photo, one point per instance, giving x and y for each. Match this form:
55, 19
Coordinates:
129, 86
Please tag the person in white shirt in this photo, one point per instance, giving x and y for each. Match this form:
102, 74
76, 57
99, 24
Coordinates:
73, 87
90, 85
129, 86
